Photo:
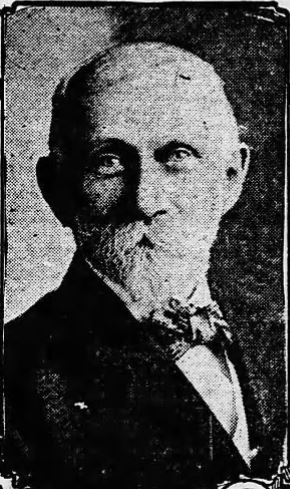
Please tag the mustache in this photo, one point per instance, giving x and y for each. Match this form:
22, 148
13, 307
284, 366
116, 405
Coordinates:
165, 234
145, 242
124, 215
130, 235
158, 238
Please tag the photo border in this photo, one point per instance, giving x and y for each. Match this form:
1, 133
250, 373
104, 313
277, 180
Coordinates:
282, 478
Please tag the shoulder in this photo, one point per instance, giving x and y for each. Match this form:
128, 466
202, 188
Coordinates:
25, 336
34, 319
29, 330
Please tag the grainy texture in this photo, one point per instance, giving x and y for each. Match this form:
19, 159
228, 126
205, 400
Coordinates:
42, 45
247, 47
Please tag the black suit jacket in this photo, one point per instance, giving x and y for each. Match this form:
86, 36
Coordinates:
91, 403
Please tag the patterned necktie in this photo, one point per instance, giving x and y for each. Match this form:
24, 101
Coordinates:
183, 325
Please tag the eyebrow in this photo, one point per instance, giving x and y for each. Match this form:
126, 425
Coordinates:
114, 143
161, 154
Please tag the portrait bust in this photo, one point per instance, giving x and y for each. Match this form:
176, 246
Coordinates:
129, 373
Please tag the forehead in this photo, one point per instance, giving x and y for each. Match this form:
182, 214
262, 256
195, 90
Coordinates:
144, 91
147, 110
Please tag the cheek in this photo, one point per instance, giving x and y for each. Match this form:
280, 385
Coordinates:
100, 196
197, 196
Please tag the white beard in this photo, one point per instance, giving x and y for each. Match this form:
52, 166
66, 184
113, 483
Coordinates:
174, 265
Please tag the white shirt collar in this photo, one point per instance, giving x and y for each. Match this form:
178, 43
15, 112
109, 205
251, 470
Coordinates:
201, 297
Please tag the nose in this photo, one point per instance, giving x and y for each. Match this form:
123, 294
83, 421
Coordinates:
150, 194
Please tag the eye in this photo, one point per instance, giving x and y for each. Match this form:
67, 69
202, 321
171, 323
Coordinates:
180, 154
181, 158
108, 165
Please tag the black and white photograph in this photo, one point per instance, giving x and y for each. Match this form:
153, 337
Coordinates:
144, 245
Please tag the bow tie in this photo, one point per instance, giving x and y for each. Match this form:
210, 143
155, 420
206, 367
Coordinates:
182, 325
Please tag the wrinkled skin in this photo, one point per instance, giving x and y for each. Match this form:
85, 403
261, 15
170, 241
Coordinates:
162, 166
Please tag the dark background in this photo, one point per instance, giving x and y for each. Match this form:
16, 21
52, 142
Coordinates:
247, 45
248, 48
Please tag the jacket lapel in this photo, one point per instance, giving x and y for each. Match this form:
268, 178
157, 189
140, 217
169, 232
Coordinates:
98, 321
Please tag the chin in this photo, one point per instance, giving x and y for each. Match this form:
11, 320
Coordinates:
149, 273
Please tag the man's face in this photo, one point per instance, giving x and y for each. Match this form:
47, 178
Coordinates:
154, 176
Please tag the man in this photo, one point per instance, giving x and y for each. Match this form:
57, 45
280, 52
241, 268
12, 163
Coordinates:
128, 374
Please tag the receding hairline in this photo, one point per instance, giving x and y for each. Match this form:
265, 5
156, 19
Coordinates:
126, 61
132, 59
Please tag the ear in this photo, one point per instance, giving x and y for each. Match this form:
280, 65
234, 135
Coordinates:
235, 176
54, 189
